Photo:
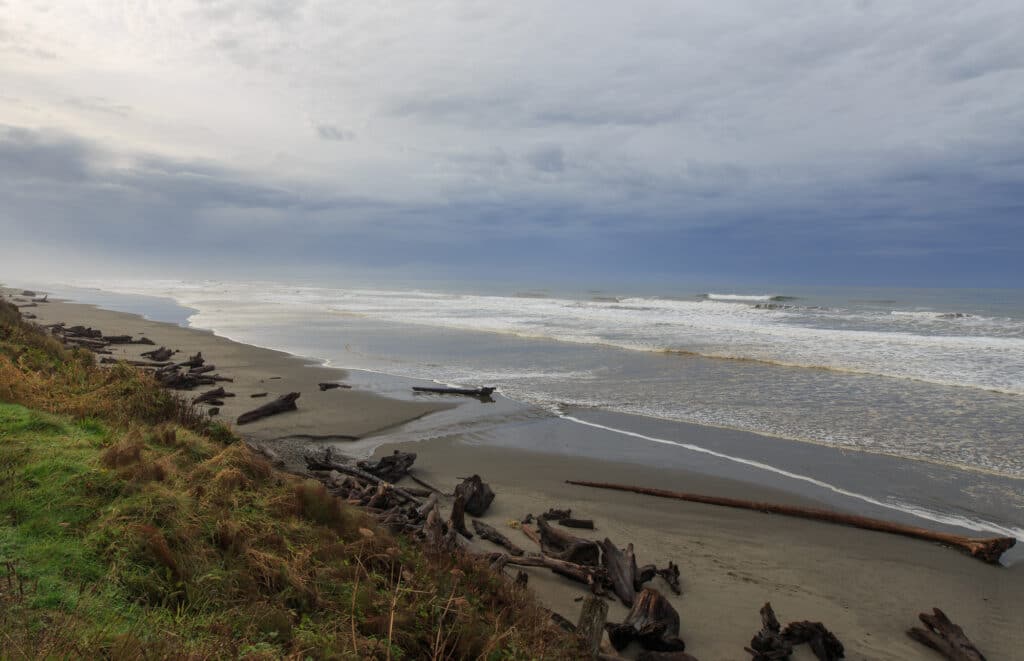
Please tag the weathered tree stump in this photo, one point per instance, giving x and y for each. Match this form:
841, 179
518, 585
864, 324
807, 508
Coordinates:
652, 621
477, 494
279, 405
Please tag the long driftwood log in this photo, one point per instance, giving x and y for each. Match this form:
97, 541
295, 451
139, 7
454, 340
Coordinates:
652, 621
944, 637
279, 405
595, 577
987, 549
469, 392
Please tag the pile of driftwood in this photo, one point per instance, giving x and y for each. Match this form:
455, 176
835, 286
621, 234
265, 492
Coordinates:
90, 338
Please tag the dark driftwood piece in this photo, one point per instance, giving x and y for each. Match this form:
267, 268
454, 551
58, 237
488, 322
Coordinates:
477, 493
823, 643
392, 467
590, 627
944, 637
492, 535
768, 643
161, 354
554, 514
469, 392
559, 544
213, 395
331, 386
621, 567
422, 483
196, 371
327, 464
652, 621
670, 575
258, 394
988, 549
193, 361
279, 405
457, 520
584, 524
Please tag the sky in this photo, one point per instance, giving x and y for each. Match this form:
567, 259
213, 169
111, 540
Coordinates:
855, 142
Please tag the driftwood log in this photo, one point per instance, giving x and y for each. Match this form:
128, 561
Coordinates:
457, 519
330, 385
469, 392
477, 494
161, 354
595, 577
279, 405
489, 533
944, 637
585, 524
213, 395
987, 549
392, 467
652, 621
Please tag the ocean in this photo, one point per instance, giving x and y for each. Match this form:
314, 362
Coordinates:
903, 399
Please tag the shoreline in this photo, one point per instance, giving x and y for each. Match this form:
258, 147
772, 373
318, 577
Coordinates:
868, 591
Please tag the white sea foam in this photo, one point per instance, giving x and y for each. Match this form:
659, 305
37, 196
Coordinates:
983, 353
739, 297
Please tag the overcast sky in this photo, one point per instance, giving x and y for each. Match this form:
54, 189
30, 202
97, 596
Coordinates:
842, 141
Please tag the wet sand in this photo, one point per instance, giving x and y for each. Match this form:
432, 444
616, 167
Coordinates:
866, 587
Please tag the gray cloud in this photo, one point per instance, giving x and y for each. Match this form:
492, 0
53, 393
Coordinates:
328, 132
854, 123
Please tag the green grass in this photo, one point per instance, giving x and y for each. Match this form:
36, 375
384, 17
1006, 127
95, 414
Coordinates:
144, 535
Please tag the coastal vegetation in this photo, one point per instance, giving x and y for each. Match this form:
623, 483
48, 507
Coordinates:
131, 526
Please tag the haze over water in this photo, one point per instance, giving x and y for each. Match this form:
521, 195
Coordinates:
934, 375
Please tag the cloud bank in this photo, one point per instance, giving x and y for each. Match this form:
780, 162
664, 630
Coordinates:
858, 141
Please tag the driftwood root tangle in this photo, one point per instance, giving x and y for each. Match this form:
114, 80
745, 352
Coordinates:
652, 621
988, 550
944, 637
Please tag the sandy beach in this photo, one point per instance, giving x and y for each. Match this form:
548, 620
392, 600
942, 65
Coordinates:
866, 587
